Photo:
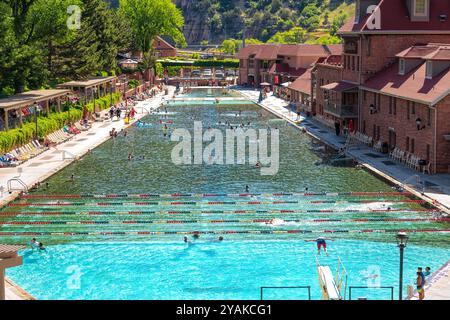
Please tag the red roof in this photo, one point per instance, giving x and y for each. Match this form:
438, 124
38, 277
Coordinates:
340, 86
413, 85
395, 17
303, 82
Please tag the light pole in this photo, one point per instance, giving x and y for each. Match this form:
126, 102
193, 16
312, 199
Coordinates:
94, 90
402, 239
110, 94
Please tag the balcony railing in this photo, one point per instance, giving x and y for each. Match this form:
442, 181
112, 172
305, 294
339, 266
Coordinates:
342, 111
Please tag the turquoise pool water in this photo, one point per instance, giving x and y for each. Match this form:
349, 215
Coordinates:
205, 270
132, 246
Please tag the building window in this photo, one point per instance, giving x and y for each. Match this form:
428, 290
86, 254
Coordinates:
420, 8
413, 108
428, 152
390, 105
429, 117
407, 143
408, 110
364, 95
402, 66
394, 105
412, 145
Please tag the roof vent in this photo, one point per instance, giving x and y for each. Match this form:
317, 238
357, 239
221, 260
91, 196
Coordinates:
443, 17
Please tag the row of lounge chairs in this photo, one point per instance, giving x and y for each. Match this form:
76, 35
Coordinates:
34, 148
22, 154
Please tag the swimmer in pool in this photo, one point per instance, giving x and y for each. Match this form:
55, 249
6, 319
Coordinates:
321, 242
34, 244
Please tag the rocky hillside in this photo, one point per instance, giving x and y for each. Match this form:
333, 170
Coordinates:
217, 20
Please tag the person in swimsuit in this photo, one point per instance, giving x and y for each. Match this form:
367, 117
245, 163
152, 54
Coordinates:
420, 285
321, 242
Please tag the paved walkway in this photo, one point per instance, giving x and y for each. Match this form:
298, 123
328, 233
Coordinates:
434, 188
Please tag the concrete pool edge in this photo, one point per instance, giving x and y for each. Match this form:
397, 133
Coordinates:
15, 292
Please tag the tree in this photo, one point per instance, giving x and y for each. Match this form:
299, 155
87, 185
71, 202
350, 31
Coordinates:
151, 18
294, 36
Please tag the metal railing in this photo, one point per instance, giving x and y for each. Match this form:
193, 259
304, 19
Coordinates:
21, 183
294, 287
369, 287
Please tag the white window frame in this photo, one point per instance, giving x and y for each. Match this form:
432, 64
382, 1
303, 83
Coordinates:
425, 9
402, 66
429, 70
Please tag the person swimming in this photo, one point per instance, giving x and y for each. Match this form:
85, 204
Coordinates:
34, 244
321, 242
247, 189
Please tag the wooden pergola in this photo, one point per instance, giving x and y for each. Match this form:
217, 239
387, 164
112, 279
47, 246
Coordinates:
27, 99
8, 259
88, 88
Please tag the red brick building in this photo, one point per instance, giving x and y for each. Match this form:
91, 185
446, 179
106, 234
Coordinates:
393, 77
163, 48
276, 64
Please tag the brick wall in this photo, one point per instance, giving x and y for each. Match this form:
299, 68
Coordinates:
325, 74
394, 115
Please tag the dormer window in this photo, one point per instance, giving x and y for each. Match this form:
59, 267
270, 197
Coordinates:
429, 70
420, 8
401, 70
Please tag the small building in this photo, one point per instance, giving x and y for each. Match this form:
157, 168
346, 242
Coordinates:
163, 48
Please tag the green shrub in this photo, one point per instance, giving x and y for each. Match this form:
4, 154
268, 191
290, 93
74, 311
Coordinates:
47, 124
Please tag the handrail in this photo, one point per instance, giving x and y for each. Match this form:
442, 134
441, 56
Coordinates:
286, 287
10, 189
370, 287
340, 276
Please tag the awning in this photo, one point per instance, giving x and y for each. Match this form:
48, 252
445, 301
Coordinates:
340, 86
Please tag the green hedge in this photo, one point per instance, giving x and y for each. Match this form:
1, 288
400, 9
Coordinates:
50, 123
104, 102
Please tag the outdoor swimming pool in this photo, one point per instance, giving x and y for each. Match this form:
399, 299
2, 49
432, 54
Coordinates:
132, 245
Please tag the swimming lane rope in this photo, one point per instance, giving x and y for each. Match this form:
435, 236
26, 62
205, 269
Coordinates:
134, 222
199, 203
25, 213
206, 195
